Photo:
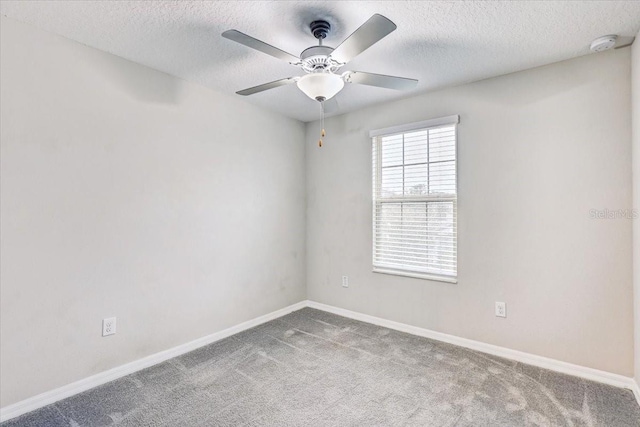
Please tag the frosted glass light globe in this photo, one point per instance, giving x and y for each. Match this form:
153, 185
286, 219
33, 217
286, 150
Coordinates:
320, 85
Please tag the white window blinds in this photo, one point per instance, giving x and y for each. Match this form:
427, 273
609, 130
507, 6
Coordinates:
414, 199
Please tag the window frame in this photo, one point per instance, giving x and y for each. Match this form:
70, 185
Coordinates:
376, 185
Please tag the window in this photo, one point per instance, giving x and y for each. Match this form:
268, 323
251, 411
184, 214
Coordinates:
414, 200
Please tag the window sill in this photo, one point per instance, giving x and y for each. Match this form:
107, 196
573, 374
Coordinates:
425, 276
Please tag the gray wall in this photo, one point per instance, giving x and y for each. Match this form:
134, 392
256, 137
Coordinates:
635, 107
127, 192
537, 151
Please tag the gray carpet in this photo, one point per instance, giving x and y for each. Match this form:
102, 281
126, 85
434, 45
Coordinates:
311, 368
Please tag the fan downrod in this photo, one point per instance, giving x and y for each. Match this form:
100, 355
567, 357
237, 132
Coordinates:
320, 29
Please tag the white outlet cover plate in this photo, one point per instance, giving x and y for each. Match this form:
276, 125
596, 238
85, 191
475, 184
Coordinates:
501, 309
345, 281
108, 326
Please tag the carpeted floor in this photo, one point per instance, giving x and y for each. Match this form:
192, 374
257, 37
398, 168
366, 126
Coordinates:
312, 368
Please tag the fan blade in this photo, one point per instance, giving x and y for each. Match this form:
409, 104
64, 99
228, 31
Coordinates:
379, 80
256, 44
371, 32
624, 42
267, 86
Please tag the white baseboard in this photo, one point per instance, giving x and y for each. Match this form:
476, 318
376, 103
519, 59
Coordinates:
636, 390
530, 359
68, 390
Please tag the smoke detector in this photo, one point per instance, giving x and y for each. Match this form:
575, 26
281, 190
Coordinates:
603, 43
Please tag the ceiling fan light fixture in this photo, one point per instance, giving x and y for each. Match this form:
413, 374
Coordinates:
320, 86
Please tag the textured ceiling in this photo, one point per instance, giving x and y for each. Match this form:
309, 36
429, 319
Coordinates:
439, 43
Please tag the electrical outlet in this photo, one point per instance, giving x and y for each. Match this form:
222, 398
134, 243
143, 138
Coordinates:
108, 326
345, 281
501, 309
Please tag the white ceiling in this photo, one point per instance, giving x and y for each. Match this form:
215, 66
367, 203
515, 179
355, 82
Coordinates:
439, 43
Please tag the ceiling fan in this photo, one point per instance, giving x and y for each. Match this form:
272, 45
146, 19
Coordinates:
322, 63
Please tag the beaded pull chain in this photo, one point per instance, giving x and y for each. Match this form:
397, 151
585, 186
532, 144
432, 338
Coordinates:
322, 133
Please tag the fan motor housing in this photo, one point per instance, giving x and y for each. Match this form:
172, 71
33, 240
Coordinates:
316, 51
316, 58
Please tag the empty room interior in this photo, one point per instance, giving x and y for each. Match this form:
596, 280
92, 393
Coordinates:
315, 213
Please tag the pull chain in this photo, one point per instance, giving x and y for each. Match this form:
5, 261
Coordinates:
322, 133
